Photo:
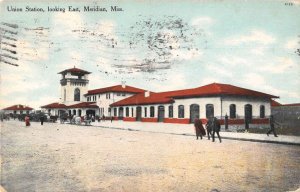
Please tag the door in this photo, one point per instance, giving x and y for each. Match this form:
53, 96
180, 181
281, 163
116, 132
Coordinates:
121, 111
138, 114
194, 112
161, 113
248, 113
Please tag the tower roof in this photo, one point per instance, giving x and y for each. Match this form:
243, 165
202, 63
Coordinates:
74, 71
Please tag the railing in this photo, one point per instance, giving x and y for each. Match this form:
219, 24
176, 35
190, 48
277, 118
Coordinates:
64, 81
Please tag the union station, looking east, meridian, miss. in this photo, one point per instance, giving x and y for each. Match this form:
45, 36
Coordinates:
127, 103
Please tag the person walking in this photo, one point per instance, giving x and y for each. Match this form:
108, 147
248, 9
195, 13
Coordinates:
199, 129
27, 121
42, 119
216, 128
272, 126
209, 127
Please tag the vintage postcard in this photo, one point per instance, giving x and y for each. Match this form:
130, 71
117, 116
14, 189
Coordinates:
149, 95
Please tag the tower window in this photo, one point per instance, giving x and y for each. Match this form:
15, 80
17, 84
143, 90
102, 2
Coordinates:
77, 94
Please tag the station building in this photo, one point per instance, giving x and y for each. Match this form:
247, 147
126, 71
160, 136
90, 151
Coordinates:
183, 106
18, 109
77, 100
127, 103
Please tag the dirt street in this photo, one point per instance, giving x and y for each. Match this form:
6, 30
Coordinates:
57, 157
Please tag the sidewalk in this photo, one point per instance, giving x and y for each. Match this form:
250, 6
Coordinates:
188, 130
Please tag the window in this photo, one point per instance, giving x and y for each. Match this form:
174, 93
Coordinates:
145, 109
232, 111
107, 95
77, 94
180, 111
127, 111
65, 94
151, 111
131, 112
118, 94
123, 94
171, 111
99, 96
115, 112
209, 110
21, 112
262, 111
27, 112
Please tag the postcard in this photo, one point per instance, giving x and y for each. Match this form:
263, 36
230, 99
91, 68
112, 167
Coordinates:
150, 95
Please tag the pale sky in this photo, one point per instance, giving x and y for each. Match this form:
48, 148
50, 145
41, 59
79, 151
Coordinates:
154, 45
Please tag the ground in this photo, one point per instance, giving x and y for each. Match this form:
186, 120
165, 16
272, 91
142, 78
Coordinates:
56, 157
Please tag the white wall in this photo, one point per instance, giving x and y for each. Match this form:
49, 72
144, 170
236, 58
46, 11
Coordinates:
240, 103
17, 111
220, 107
103, 102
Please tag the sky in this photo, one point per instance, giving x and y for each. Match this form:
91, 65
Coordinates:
154, 45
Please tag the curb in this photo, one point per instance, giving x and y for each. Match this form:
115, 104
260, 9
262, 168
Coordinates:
185, 134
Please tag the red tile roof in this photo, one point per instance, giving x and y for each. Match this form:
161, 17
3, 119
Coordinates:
140, 99
74, 71
291, 104
54, 106
18, 108
84, 105
214, 89
275, 103
116, 88
78, 105
220, 89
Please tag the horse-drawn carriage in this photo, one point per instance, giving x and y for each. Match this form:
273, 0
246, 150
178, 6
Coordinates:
77, 120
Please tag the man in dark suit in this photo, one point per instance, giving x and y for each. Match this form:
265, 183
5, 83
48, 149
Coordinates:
272, 126
216, 127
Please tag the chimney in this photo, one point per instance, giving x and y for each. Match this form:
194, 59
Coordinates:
123, 84
147, 93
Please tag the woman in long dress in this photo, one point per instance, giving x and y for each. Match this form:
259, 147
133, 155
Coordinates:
27, 121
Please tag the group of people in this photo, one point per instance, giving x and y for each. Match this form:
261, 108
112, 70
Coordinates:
213, 127
27, 120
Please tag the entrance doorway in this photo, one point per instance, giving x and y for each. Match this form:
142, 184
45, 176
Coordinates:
138, 114
161, 113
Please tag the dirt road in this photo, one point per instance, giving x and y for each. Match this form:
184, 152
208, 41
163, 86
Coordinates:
57, 157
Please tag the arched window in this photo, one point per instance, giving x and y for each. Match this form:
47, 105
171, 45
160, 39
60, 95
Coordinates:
151, 111
262, 111
180, 111
209, 110
232, 113
77, 94
171, 111
115, 112
127, 111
